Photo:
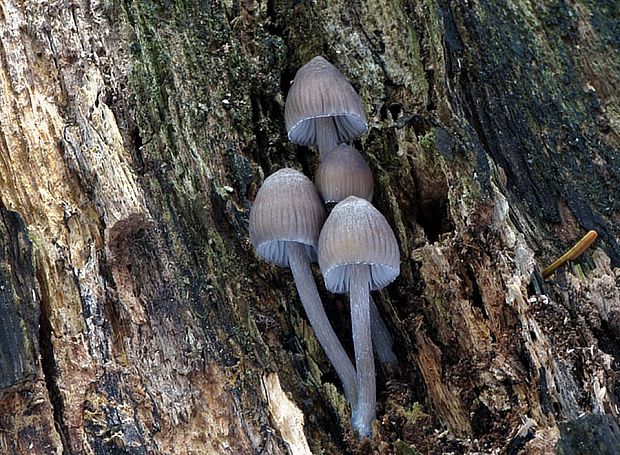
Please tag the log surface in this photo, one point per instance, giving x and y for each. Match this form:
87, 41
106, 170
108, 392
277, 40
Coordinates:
135, 317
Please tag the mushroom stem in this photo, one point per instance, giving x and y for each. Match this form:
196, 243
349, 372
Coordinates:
326, 134
381, 337
364, 412
309, 295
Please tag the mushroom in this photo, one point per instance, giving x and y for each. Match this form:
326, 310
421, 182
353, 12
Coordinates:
285, 222
344, 172
358, 253
322, 108
381, 338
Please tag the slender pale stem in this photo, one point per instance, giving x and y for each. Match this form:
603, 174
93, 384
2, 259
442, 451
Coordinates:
381, 337
364, 412
571, 254
309, 295
326, 134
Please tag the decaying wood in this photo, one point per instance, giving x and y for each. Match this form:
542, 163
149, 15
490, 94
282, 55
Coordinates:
134, 315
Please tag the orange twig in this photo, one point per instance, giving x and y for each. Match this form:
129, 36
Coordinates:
571, 254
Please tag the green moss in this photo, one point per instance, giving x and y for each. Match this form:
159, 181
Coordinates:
443, 312
402, 448
415, 412
339, 404
427, 143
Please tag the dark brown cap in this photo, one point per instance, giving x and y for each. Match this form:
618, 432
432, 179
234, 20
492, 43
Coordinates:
357, 233
320, 90
342, 173
287, 208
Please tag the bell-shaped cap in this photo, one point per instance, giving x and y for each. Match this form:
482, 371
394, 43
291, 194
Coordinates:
357, 233
320, 90
287, 208
342, 173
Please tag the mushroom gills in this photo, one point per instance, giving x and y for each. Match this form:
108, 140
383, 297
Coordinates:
306, 132
277, 250
380, 276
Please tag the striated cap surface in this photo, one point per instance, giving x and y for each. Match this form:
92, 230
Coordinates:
320, 90
342, 173
287, 208
357, 233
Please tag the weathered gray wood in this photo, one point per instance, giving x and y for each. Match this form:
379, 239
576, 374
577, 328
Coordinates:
26, 410
19, 306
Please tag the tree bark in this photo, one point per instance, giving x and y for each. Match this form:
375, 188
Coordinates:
135, 317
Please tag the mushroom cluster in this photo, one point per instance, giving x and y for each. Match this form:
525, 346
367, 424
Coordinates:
356, 249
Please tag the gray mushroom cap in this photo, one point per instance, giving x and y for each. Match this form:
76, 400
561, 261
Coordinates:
342, 173
287, 208
320, 90
357, 233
